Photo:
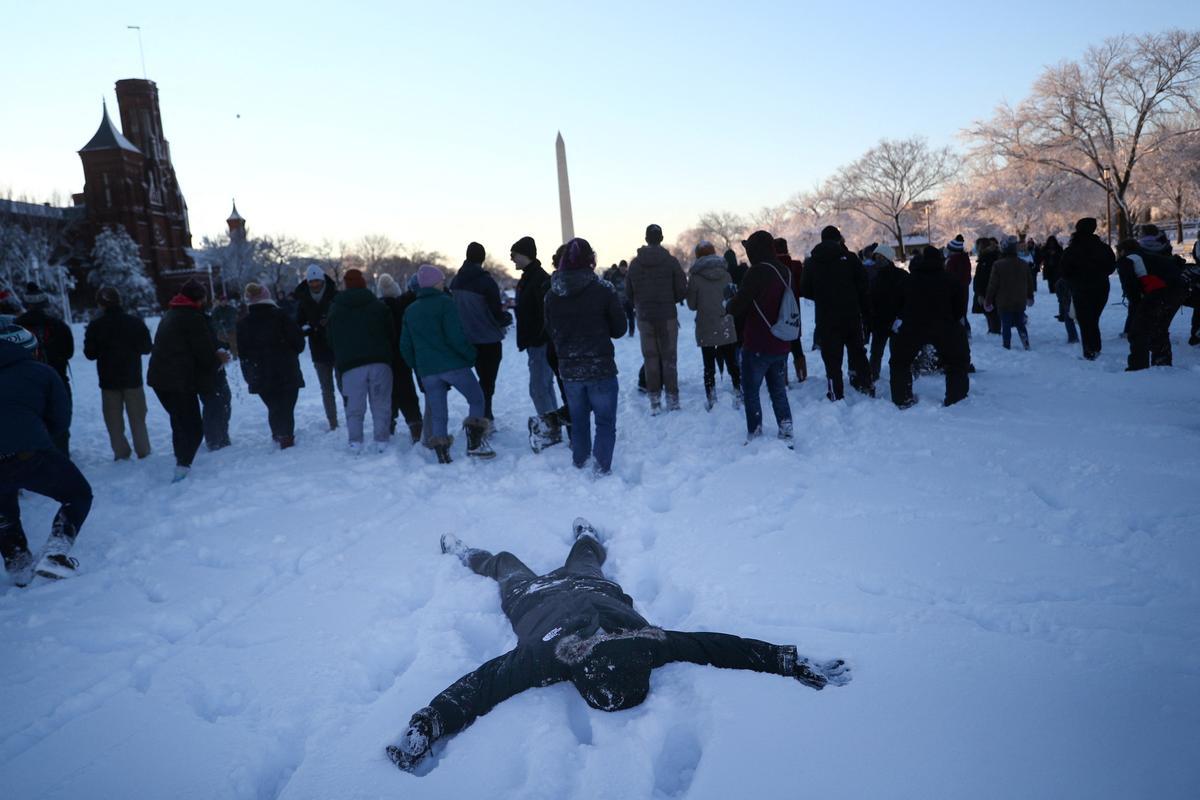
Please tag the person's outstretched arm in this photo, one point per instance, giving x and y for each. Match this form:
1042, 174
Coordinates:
733, 652
469, 698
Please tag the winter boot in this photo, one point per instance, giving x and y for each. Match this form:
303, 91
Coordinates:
1025, 340
544, 431
181, 472
441, 446
581, 527
453, 546
55, 563
655, 405
286, 441
19, 566
477, 441
672, 402
710, 398
414, 431
786, 435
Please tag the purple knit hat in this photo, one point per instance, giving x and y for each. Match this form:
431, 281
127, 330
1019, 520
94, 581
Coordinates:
578, 254
429, 275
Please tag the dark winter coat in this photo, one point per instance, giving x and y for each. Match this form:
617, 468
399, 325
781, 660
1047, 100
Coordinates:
655, 283
477, 297
184, 357
33, 402
1011, 285
1163, 266
269, 348
983, 275
887, 295
1052, 262
930, 304
314, 313
359, 329
836, 281
116, 341
56, 344
958, 266
562, 618
397, 306
755, 307
433, 340
1088, 262
531, 306
708, 282
583, 316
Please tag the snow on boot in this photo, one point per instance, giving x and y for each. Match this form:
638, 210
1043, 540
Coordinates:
477, 442
786, 435
181, 473
441, 446
55, 563
453, 546
581, 527
672, 402
655, 405
19, 566
710, 398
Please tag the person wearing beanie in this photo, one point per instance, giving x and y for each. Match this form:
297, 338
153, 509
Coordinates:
116, 341
404, 391
314, 298
1087, 264
433, 341
557, 619
655, 285
886, 297
56, 345
1152, 278
958, 266
709, 287
184, 364
796, 267
271, 347
836, 281
545, 429
755, 310
360, 332
477, 297
583, 316
1010, 291
34, 409
927, 317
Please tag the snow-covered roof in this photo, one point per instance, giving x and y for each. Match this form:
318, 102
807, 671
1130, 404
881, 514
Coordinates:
235, 216
109, 138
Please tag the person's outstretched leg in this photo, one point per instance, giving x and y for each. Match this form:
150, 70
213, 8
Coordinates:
503, 567
586, 557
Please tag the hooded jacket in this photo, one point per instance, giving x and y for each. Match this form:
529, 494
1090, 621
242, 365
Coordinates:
655, 283
33, 402
184, 356
269, 345
1011, 285
359, 329
432, 340
477, 297
314, 312
56, 343
836, 281
1088, 262
116, 341
583, 316
708, 281
531, 306
755, 307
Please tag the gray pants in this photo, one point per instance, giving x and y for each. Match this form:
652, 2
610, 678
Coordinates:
373, 382
438, 386
325, 378
115, 404
660, 340
541, 381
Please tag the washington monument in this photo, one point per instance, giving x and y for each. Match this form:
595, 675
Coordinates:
564, 191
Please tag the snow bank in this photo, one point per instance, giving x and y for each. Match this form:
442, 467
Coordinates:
1013, 579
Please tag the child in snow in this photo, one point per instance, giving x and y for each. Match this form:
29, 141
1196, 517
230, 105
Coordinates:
574, 624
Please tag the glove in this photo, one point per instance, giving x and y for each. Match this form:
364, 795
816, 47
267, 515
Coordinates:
1029, 303
818, 675
896, 326
1151, 283
416, 742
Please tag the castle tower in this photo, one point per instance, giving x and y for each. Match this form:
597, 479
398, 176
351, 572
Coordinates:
237, 225
113, 169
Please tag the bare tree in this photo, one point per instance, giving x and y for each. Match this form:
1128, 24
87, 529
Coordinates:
723, 225
888, 179
1170, 179
373, 249
1098, 118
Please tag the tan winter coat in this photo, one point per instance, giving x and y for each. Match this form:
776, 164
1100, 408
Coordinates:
1011, 284
707, 280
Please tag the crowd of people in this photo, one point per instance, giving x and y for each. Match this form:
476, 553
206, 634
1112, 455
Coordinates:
399, 350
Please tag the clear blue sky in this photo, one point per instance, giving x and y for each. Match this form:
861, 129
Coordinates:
434, 123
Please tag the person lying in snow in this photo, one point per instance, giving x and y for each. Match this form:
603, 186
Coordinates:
574, 624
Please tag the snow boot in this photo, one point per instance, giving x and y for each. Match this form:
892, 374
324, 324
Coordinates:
453, 546
286, 441
477, 441
655, 405
544, 431
19, 566
710, 398
181, 472
786, 435
55, 563
581, 527
441, 446
672, 402
414, 431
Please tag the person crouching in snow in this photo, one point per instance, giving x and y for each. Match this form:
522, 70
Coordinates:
574, 624
433, 343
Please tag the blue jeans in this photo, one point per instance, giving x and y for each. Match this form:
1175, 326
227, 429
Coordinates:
583, 399
1010, 320
755, 367
437, 386
541, 381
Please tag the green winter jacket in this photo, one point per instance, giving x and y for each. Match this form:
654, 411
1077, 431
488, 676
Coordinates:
433, 340
359, 330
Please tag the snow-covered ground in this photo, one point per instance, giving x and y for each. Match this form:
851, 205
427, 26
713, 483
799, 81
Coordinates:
1014, 580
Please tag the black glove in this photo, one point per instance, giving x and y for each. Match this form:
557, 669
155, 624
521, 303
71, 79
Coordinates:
416, 742
818, 675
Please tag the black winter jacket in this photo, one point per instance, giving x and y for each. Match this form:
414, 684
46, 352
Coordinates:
269, 348
887, 295
583, 316
531, 306
184, 356
1088, 261
116, 341
315, 314
836, 281
56, 344
930, 302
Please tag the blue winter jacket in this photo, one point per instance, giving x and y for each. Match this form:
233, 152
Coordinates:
477, 297
33, 402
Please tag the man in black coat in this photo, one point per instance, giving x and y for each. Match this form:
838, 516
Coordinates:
116, 341
532, 338
56, 346
836, 281
270, 344
887, 298
314, 298
574, 624
183, 365
929, 315
1087, 264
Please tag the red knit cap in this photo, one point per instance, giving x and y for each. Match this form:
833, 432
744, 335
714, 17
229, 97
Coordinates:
354, 279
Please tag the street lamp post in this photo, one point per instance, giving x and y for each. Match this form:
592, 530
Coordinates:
1108, 206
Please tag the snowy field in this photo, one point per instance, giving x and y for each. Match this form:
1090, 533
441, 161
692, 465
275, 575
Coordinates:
1014, 581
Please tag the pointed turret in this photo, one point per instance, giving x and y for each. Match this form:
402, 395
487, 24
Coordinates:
108, 137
